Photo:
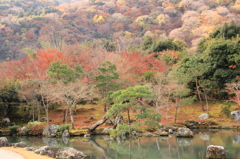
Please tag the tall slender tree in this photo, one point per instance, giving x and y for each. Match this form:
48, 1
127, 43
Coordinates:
106, 81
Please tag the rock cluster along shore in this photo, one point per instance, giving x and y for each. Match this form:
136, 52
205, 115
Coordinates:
64, 153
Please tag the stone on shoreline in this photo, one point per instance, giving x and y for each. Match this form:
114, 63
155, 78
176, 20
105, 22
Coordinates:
69, 152
161, 132
19, 144
236, 115
50, 131
214, 151
45, 150
184, 132
3, 142
30, 148
203, 116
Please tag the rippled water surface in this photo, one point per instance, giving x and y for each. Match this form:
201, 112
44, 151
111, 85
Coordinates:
100, 147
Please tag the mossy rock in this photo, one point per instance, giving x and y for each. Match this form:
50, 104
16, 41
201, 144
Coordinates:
58, 134
78, 132
163, 133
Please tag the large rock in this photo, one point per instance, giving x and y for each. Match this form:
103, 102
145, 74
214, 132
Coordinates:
203, 116
69, 153
214, 151
161, 132
65, 133
184, 132
191, 124
45, 150
50, 131
19, 144
3, 142
170, 127
30, 148
6, 122
236, 115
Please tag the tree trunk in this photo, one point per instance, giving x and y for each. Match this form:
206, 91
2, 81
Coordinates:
47, 116
199, 95
98, 123
118, 120
206, 100
167, 108
176, 109
33, 113
129, 122
65, 115
39, 113
105, 107
71, 117
9, 110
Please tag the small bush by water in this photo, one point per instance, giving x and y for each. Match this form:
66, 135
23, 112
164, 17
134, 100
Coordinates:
35, 128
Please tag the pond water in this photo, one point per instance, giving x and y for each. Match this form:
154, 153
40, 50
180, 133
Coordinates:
100, 147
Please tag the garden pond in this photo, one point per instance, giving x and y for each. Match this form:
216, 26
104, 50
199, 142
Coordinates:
171, 147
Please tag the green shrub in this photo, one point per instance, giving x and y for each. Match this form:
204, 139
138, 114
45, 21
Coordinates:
13, 129
122, 128
226, 109
63, 127
35, 128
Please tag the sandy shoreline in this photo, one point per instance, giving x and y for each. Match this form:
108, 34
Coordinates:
22, 152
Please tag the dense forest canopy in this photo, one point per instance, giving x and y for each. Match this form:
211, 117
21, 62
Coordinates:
30, 24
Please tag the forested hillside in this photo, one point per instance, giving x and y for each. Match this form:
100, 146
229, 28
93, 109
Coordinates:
139, 57
32, 24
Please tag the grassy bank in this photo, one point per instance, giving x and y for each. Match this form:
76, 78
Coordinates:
86, 115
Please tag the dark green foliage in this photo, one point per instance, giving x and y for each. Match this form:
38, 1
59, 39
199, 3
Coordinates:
227, 31
9, 96
226, 109
121, 128
130, 95
151, 45
148, 76
106, 78
61, 72
132, 98
221, 52
13, 129
147, 42
221, 57
166, 44
151, 119
49, 9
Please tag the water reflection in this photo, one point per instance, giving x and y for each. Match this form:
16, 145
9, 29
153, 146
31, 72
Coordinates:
102, 147
65, 140
237, 139
184, 141
204, 135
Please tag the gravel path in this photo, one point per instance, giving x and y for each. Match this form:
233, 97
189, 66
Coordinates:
6, 154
